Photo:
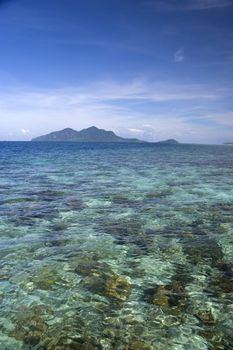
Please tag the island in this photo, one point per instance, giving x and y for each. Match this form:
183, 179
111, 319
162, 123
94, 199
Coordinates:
91, 134
168, 142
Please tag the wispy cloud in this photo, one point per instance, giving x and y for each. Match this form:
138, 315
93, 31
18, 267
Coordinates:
115, 45
218, 130
190, 5
179, 56
106, 92
37, 18
150, 110
207, 4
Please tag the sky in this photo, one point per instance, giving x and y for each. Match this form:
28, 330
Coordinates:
151, 69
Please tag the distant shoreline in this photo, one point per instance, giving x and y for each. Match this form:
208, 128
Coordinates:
117, 143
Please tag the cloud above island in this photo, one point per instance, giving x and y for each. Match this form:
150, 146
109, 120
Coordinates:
137, 108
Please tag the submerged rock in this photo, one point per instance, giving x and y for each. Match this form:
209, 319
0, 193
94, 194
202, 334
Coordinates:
17, 200
220, 285
30, 325
89, 266
59, 226
170, 297
137, 345
130, 231
215, 338
33, 329
64, 342
219, 336
56, 235
47, 195
46, 278
203, 250
226, 268
206, 317
75, 204
28, 216
124, 200
110, 285
117, 287
159, 194
69, 333
157, 296
102, 280
122, 227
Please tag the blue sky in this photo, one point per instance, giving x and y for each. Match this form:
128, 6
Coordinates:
143, 68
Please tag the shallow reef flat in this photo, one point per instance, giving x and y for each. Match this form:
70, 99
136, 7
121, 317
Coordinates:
116, 247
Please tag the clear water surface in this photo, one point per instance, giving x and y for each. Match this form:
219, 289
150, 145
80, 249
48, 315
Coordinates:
116, 246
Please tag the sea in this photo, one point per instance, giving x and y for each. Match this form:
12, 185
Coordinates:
116, 246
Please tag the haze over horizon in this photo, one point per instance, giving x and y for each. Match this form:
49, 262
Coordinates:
148, 69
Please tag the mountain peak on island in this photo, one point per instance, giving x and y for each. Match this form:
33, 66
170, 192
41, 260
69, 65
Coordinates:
170, 142
91, 134
68, 129
92, 128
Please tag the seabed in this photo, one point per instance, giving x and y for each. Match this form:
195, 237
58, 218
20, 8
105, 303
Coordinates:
126, 247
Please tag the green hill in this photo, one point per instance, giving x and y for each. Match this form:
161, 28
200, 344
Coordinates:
91, 134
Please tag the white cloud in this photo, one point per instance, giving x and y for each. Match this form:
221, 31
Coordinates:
106, 92
180, 128
179, 56
136, 131
25, 131
151, 110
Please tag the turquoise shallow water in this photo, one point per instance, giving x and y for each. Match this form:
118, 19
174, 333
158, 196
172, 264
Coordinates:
124, 247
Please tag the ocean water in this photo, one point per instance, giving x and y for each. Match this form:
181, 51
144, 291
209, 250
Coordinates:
116, 246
